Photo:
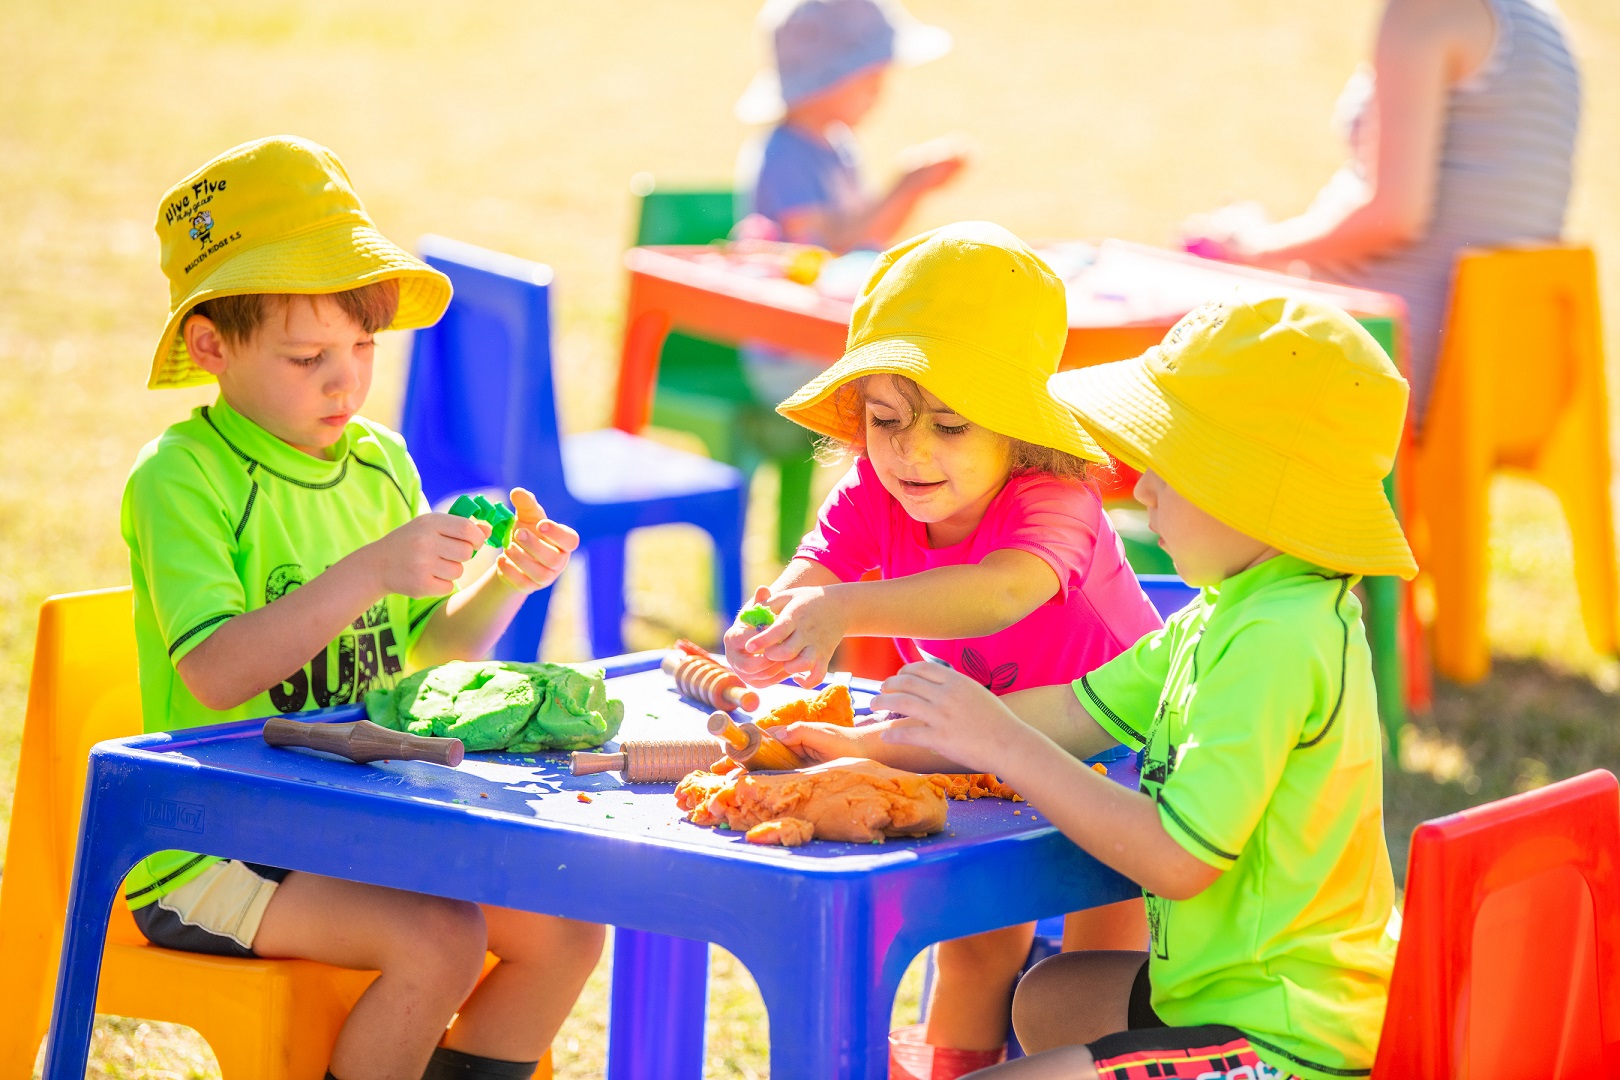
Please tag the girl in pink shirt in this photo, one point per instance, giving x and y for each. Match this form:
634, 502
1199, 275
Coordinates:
968, 499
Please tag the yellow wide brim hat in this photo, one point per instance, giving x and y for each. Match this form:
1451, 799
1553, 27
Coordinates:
276, 216
971, 315
1278, 416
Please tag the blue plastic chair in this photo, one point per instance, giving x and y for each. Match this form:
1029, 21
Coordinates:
481, 415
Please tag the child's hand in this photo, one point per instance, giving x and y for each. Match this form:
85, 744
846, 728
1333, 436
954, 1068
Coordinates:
809, 625
947, 712
824, 742
934, 163
425, 556
752, 669
539, 548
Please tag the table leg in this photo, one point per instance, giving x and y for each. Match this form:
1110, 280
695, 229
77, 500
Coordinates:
829, 1000
660, 1000
98, 870
644, 333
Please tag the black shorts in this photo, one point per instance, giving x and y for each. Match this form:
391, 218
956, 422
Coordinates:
217, 912
1149, 1050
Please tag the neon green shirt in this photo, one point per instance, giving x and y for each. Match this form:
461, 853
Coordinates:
221, 518
1257, 710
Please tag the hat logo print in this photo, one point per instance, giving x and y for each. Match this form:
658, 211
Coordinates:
202, 227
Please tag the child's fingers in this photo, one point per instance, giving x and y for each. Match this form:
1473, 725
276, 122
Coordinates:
907, 732
538, 569
540, 549
526, 506
816, 674
557, 534
467, 530
902, 704
771, 639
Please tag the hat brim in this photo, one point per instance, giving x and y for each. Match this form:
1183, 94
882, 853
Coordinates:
1022, 409
918, 43
762, 102
328, 259
1340, 524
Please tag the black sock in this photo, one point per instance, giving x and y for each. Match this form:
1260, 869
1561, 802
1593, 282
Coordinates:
448, 1064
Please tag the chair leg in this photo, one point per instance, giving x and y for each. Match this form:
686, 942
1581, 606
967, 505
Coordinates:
522, 638
604, 581
793, 504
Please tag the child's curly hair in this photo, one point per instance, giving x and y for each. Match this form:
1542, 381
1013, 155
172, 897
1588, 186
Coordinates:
850, 402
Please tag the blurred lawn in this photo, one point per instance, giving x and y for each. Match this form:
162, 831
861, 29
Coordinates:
518, 126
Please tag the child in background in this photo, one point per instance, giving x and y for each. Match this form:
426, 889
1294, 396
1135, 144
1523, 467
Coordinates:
832, 57
968, 496
803, 176
1263, 430
276, 525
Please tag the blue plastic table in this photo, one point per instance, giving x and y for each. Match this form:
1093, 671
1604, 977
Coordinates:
826, 929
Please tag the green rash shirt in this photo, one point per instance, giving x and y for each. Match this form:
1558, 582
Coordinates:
1256, 708
222, 518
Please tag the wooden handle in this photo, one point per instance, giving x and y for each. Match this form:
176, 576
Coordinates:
362, 741
705, 679
584, 763
751, 747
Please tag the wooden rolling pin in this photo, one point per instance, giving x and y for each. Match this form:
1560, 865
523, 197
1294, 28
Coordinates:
706, 680
650, 761
362, 741
751, 747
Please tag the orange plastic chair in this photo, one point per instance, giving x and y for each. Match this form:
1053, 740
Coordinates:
264, 1019
1520, 387
1506, 968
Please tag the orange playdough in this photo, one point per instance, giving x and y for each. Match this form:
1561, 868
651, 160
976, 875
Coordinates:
851, 799
831, 706
979, 785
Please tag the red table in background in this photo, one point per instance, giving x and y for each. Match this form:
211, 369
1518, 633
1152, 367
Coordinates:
1122, 299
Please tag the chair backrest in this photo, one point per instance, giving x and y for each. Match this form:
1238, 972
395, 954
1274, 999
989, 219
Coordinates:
84, 690
480, 409
1527, 318
692, 216
1506, 966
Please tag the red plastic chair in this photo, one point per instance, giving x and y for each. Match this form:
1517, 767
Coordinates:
1506, 967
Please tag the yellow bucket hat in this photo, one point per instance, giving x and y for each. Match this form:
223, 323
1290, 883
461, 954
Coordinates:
972, 316
1279, 416
275, 216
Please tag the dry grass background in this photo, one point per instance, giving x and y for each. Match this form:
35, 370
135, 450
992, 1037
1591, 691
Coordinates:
518, 126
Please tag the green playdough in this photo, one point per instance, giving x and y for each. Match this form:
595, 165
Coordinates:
499, 705
497, 516
757, 615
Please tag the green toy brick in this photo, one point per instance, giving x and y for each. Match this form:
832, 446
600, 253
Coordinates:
485, 507
500, 531
756, 616
464, 507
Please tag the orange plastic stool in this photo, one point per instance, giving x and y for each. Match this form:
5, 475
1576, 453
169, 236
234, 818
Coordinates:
264, 1019
1506, 967
1520, 387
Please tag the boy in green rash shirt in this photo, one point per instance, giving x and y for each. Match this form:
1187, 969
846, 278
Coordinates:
1263, 428
277, 525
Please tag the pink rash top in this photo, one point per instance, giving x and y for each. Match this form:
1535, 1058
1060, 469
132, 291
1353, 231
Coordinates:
1098, 613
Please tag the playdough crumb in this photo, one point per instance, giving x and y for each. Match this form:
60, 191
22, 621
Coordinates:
582, 797
607, 815
483, 794
1017, 812
1099, 767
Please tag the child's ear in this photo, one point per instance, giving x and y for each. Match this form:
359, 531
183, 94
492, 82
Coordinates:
204, 343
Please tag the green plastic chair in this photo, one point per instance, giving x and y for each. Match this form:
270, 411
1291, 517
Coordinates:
701, 388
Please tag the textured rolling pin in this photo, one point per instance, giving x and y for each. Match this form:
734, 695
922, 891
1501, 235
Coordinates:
751, 747
650, 761
706, 680
362, 741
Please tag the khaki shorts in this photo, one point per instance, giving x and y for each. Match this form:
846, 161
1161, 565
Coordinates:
216, 912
